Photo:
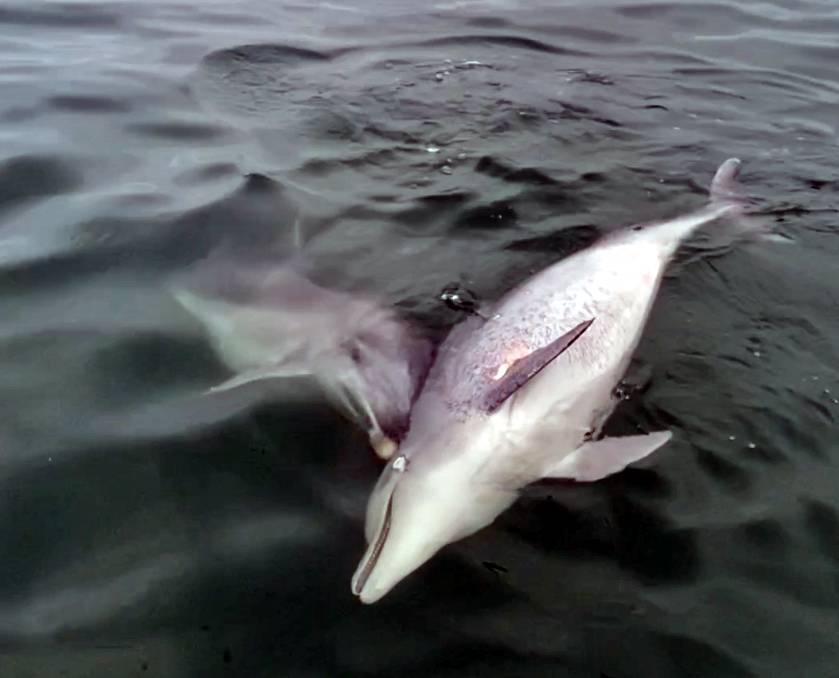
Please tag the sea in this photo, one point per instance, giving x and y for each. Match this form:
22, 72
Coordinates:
148, 528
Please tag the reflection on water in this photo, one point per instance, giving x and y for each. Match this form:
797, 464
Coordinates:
153, 530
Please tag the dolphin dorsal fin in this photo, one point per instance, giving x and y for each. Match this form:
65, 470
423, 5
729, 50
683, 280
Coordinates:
524, 369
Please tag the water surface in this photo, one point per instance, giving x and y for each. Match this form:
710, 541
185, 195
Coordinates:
148, 530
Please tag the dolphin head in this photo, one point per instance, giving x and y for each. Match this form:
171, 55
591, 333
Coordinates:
267, 319
420, 504
375, 371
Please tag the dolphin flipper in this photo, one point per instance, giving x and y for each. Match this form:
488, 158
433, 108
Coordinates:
269, 372
597, 459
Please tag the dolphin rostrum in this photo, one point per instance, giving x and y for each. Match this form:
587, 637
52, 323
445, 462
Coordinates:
521, 391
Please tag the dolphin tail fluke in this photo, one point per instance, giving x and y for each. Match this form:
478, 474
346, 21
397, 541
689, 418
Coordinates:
726, 192
724, 185
727, 204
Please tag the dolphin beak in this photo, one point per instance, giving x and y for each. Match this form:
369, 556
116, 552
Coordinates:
367, 592
361, 578
375, 586
369, 595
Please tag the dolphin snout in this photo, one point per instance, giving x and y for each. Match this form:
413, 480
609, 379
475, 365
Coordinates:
378, 582
371, 593
388, 562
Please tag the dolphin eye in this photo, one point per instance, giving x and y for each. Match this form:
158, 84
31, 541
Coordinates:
355, 353
400, 463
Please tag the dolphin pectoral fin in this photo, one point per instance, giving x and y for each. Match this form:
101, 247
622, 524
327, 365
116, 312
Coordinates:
597, 459
261, 374
523, 370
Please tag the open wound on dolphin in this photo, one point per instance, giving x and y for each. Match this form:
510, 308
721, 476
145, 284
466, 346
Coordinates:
514, 355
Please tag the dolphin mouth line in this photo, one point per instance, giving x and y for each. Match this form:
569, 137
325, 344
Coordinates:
374, 552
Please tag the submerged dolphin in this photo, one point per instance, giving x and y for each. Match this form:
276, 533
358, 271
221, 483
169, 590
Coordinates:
269, 321
521, 392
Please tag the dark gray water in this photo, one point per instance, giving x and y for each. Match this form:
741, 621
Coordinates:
147, 530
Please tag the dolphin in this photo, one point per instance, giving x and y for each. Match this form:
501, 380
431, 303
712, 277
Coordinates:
521, 391
267, 320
